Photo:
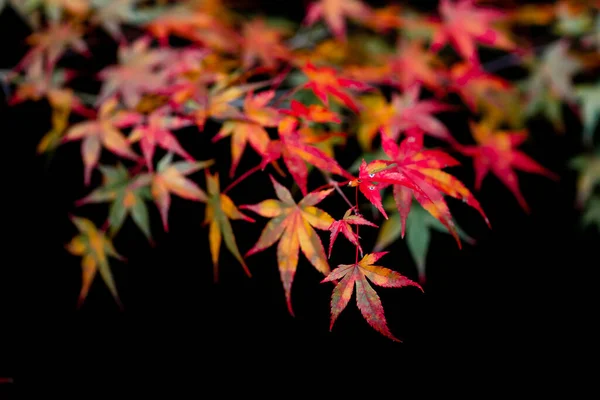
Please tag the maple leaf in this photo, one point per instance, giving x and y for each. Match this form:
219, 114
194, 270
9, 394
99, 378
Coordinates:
550, 82
588, 167
496, 152
170, 177
54, 9
262, 44
324, 81
412, 64
103, 131
463, 24
257, 115
474, 85
292, 224
410, 112
219, 210
112, 14
156, 131
128, 196
592, 213
374, 177
95, 248
322, 139
344, 227
367, 300
312, 112
573, 19
37, 83
385, 19
296, 153
404, 113
139, 71
199, 22
418, 226
532, 14
428, 183
50, 44
334, 11
375, 116
217, 102
589, 99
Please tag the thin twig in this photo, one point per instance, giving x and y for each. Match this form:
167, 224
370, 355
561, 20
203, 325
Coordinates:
241, 178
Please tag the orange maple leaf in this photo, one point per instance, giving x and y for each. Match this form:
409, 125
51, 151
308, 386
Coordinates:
199, 25
262, 44
51, 43
103, 131
292, 224
250, 130
334, 11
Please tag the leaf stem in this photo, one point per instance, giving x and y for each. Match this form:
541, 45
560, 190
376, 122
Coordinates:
357, 229
332, 183
241, 178
336, 186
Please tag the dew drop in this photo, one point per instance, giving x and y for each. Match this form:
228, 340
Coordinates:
371, 175
371, 187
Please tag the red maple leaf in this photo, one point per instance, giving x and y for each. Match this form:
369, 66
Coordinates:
496, 152
411, 64
471, 82
344, 227
428, 183
324, 81
139, 71
411, 113
295, 152
367, 300
463, 24
376, 176
156, 131
312, 113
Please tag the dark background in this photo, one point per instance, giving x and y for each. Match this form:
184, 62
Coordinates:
523, 295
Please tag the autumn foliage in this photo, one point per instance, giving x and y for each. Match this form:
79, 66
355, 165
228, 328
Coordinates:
295, 92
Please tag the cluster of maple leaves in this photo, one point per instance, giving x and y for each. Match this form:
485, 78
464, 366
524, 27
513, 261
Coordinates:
324, 86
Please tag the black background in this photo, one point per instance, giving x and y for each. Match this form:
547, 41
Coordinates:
523, 295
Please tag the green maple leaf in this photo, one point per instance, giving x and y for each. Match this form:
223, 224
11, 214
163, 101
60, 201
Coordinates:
588, 180
418, 233
128, 196
592, 213
589, 98
551, 83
